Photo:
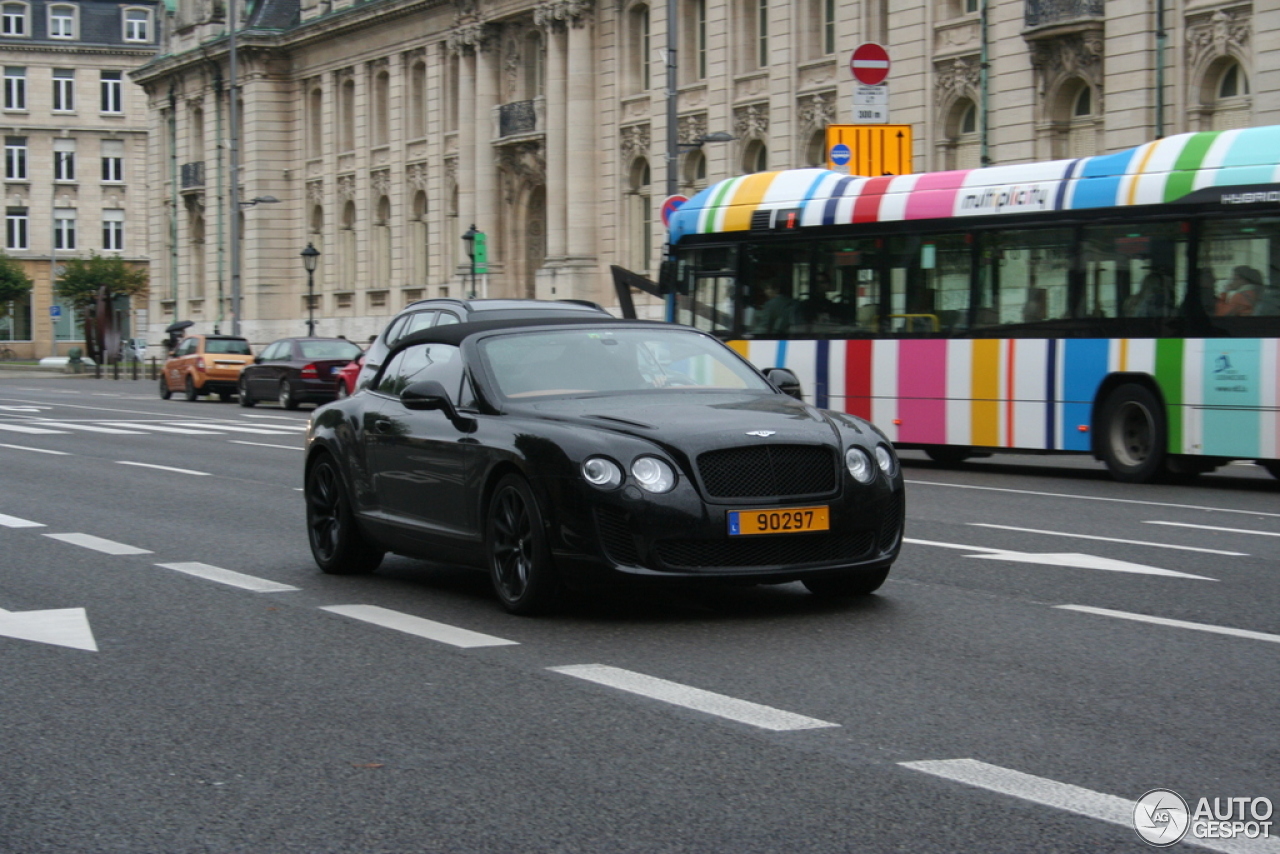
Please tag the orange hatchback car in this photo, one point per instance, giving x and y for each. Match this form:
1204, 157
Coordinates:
205, 364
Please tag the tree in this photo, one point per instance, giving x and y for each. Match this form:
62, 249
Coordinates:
14, 282
91, 286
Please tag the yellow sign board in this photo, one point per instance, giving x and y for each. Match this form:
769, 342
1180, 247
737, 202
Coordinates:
869, 150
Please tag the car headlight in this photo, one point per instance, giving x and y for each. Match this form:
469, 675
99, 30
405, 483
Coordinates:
859, 465
886, 459
601, 472
653, 474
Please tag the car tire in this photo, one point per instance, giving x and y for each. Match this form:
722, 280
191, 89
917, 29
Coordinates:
337, 543
224, 396
949, 456
246, 399
520, 565
1132, 434
858, 582
287, 398
165, 393
190, 389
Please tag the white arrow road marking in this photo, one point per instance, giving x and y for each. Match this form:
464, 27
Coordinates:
1069, 559
697, 699
412, 625
1090, 562
1107, 539
1069, 798
60, 627
98, 544
15, 522
1178, 624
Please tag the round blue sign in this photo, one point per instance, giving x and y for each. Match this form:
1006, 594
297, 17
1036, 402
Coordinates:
840, 154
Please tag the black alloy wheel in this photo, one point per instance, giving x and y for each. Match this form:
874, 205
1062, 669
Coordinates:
1132, 434
520, 564
246, 399
287, 398
190, 389
857, 582
165, 394
337, 543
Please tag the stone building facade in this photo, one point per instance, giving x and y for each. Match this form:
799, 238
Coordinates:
75, 145
387, 128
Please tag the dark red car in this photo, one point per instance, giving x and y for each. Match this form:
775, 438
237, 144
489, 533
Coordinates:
347, 374
296, 370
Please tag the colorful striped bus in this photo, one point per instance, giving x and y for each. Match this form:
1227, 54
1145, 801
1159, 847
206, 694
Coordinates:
1125, 305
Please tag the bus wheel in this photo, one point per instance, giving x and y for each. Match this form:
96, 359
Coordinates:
949, 455
1132, 434
1272, 467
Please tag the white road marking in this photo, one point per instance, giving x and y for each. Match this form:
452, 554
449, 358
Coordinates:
418, 626
293, 421
98, 544
697, 699
1069, 798
161, 428
236, 428
1177, 624
1093, 498
164, 468
24, 408
1214, 528
60, 627
227, 576
22, 428
264, 445
1079, 561
1107, 539
91, 428
36, 450
15, 522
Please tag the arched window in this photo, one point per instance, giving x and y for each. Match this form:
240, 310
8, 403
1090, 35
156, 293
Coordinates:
348, 116
695, 171
315, 122
418, 237
198, 271
964, 142
382, 244
815, 153
638, 49
418, 100
1232, 105
381, 107
641, 215
315, 236
756, 157
347, 247
451, 93
196, 142
1082, 132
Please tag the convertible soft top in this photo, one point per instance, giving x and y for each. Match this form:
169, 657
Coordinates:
456, 333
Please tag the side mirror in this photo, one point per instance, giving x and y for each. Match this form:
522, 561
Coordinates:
257, 360
784, 381
427, 395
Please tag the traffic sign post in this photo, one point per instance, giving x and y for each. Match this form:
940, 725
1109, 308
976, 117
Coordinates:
870, 66
869, 150
670, 206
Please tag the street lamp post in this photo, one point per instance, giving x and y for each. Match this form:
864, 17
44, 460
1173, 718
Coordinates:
470, 239
310, 256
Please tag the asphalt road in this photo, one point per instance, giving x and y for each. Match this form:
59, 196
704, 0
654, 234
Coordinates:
1051, 646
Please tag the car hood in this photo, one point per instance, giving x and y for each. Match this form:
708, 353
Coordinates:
697, 421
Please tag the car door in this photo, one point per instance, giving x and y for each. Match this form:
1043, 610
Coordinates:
419, 460
177, 367
265, 380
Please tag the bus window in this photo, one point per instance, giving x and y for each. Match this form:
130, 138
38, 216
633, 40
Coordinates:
1133, 272
1023, 277
1239, 265
705, 289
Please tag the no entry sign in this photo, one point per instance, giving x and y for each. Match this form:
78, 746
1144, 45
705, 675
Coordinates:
869, 64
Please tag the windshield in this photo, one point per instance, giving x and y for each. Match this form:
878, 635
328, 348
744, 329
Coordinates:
536, 364
336, 349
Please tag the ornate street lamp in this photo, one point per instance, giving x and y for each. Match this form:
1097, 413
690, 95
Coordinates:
470, 239
309, 257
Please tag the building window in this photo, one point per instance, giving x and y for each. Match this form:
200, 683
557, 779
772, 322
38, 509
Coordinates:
381, 108
315, 123
418, 101
693, 46
15, 228
348, 115
113, 230
15, 88
112, 161
112, 92
641, 215
137, 25
62, 22
64, 163
64, 229
638, 58
762, 33
1233, 83
15, 158
64, 90
1232, 104
13, 19
756, 158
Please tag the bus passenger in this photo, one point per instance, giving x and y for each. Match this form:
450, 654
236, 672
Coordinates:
778, 312
1242, 293
1154, 299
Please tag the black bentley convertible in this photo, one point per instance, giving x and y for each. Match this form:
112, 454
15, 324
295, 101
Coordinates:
552, 452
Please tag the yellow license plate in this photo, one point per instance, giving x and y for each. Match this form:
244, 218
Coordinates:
790, 520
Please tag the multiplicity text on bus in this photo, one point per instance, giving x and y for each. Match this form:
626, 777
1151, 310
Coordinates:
1125, 305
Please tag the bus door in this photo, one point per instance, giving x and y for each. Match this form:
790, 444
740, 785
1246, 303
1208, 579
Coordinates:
706, 289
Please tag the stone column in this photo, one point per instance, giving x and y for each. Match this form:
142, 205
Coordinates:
557, 197
582, 150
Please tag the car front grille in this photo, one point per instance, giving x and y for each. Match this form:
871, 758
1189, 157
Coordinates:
768, 471
766, 551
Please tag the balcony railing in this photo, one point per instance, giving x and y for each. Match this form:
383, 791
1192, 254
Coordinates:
193, 175
517, 117
1042, 13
